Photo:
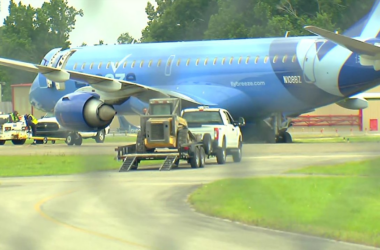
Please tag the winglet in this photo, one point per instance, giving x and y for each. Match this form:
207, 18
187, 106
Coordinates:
354, 45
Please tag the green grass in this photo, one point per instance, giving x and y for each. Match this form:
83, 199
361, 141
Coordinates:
343, 139
342, 207
39, 165
360, 168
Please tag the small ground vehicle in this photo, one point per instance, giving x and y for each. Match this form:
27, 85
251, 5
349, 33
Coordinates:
227, 138
162, 128
48, 127
15, 132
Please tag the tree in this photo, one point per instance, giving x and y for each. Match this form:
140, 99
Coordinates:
29, 33
178, 20
126, 38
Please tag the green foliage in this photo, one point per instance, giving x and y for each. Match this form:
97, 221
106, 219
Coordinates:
29, 33
126, 38
182, 20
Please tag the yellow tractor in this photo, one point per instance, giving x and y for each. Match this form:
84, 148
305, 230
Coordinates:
162, 126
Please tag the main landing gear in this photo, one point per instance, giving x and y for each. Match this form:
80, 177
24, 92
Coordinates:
270, 130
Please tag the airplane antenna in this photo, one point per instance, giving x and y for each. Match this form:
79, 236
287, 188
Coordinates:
286, 33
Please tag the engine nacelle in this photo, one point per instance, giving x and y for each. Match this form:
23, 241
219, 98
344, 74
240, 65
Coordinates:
353, 103
83, 112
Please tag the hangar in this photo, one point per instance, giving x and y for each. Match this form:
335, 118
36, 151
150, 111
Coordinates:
328, 119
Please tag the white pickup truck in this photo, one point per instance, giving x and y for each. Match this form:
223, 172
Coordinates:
219, 132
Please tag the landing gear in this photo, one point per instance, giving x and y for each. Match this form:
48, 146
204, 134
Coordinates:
270, 130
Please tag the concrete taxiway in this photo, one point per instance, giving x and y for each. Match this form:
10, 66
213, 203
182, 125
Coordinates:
148, 209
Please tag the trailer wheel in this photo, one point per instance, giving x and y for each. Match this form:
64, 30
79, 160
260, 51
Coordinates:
2, 143
207, 143
53, 142
195, 159
202, 157
45, 140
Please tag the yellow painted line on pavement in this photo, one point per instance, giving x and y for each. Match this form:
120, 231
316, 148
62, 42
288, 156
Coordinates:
38, 208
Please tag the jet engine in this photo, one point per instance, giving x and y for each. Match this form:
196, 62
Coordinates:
83, 112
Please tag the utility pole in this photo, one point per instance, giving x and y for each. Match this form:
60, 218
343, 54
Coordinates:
1, 89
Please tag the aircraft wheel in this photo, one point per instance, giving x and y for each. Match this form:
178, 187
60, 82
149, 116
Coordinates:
70, 139
100, 136
78, 141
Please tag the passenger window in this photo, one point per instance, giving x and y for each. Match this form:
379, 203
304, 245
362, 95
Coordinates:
231, 60
150, 63
247, 60
239, 61
133, 64
206, 60
224, 59
92, 64
100, 65
142, 63
284, 58
159, 63
266, 59
75, 66
257, 59
275, 59
108, 65
125, 64
169, 62
178, 62
188, 62
216, 59
197, 62
294, 58
83, 65
117, 64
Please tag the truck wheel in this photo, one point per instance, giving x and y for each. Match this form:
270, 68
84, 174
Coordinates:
78, 141
237, 155
70, 139
2, 143
18, 142
100, 136
207, 144
195, 159
221, 154
202, 157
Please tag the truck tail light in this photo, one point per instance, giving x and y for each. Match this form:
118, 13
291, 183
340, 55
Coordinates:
216, 133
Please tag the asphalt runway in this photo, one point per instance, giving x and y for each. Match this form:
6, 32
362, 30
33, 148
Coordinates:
148, 209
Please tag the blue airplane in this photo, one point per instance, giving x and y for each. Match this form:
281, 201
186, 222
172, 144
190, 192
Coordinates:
265, 80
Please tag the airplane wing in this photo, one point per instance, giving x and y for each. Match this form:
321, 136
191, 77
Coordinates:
367, 96
113, 88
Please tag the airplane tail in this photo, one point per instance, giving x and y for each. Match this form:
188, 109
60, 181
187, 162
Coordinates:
368, 26
127, 126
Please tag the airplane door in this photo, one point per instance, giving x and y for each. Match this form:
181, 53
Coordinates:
308, 64
169, 64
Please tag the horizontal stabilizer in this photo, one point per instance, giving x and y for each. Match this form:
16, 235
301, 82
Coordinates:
354, 45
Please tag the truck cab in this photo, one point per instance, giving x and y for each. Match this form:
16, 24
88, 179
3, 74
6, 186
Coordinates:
226, 135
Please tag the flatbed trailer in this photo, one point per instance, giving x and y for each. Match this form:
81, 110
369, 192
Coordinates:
193, 153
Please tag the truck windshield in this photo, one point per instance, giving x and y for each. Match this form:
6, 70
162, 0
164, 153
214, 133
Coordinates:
49, 115
203, 117
161, 109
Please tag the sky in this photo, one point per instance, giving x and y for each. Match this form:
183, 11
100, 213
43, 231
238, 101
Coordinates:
103, 19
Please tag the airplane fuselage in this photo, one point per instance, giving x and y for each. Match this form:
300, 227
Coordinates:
252, 78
